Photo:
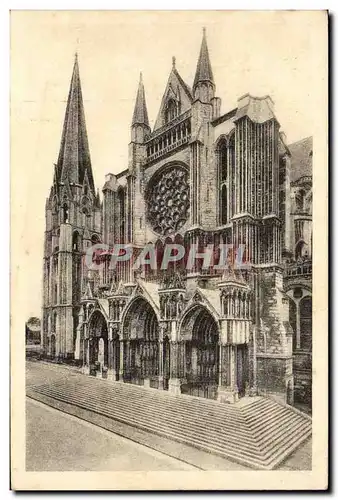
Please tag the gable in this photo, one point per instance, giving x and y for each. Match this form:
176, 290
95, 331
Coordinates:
179, 92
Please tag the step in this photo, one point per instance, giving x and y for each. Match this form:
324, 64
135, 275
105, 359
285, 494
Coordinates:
209, 434
193, 435
281, 438
229, 452
235, 419
260, 433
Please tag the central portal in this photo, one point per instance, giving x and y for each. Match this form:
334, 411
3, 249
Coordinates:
201, 354
140, 344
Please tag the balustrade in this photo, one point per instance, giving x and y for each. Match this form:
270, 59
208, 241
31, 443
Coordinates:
299, 269
169, 138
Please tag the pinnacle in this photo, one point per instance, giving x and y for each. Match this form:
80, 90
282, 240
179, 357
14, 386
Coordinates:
140, 115
203, 70
74, 156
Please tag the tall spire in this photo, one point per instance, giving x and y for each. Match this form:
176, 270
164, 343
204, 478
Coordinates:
74, 157
140, 116
203, 70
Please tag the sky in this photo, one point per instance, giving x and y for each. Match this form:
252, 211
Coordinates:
281, 54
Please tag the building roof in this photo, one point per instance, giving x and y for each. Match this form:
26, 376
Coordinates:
177, 90
74, 157
140, 115
301, 158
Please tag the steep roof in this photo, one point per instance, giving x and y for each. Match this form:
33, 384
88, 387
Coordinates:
140, 115
301, 158
74, 157
177, 89
203, 70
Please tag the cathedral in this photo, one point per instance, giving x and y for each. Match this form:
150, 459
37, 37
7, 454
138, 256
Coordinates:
200, 177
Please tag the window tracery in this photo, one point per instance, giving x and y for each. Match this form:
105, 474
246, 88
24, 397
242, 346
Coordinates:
168, 200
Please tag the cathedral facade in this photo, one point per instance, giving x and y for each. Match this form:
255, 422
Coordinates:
199, 178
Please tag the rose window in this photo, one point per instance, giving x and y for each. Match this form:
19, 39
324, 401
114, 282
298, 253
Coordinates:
168, 200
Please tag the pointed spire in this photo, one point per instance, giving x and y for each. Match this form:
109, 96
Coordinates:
97, 199
74, 157
140, 115
203, 70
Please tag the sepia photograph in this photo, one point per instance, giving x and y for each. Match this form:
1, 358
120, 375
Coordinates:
169, 313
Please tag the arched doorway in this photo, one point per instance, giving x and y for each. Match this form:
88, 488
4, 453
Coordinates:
98, 343
199, 330
140, 344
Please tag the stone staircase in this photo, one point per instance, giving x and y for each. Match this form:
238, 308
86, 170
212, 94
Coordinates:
256, 432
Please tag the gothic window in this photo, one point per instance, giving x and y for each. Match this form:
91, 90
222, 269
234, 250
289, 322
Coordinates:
122, 210
300, 196
171, 110
300, 250
65, 213
223, 182
293, 322
95, 239
299, 230
76, 242
305, 310
55, 293
54, 321
168, 200
224, 204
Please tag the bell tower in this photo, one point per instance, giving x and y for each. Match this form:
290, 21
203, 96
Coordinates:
73, 223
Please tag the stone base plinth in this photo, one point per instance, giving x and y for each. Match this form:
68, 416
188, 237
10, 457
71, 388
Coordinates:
174, 386
146, 383
227, 395
86, 370
112, 375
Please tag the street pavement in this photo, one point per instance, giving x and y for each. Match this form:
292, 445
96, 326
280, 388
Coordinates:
56, 441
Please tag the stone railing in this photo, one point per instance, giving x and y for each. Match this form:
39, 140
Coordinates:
170, 137
298, 269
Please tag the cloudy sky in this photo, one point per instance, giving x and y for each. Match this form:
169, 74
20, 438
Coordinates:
275, 53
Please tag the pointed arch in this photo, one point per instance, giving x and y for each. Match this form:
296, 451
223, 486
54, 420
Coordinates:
140, 336
301, 249
188, 317
171, 110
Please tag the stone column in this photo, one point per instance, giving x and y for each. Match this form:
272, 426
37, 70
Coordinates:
160, 364
112, 373
252, 365
227, 386
86, 365
174, 381
121, 370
